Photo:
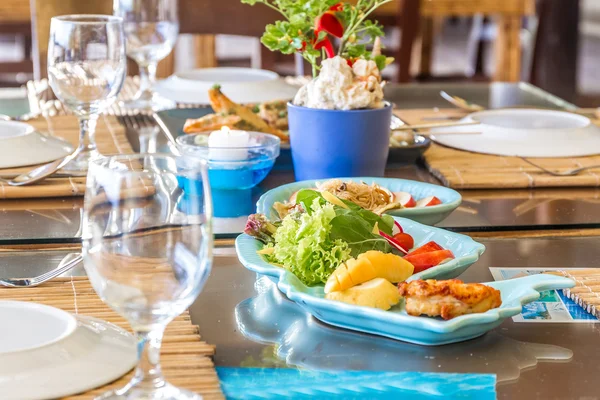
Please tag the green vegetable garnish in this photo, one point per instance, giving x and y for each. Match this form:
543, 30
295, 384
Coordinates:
304, 246
354, 225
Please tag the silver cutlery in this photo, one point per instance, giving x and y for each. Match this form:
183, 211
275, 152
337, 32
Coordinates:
570, 172
38, 280
41, 172
461, 103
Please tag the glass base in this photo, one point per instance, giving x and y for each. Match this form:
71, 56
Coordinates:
79, 165
167, 392
155, 103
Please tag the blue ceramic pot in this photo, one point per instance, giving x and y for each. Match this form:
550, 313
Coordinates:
336, 143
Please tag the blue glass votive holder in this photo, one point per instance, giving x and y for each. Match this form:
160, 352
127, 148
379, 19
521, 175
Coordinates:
232, 171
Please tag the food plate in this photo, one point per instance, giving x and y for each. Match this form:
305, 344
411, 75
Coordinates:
430, 215
242, 85
70, 355
22, 145
396, 323
526, 133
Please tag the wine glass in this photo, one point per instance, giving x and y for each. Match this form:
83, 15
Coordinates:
147, 249
86, 70
151, 29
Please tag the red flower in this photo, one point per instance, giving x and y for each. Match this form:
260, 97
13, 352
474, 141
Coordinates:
325, 43
337, 7
329, 23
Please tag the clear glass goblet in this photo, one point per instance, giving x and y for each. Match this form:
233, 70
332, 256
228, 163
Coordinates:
151, 29
147, 249
86, 70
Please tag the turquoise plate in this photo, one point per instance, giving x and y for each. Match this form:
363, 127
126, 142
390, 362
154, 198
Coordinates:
426, 215
396, 323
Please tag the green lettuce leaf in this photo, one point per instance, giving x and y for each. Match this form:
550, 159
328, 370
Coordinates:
353, 225
304, 246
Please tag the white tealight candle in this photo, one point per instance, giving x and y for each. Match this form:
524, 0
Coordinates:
228, 145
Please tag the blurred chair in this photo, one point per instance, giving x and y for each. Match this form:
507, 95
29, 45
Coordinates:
15, 21
508, 15
203, 19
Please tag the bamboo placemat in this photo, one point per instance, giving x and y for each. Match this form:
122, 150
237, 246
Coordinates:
586, 292
185, 358
110, 139
465, 170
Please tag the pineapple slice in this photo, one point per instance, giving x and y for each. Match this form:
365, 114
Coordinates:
369, 265
389, 266
377, 293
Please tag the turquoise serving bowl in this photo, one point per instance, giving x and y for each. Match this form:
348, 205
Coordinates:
396, 323
431, 215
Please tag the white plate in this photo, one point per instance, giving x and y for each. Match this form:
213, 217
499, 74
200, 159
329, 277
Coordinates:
526, 133
21, 145
242, 85
47, 353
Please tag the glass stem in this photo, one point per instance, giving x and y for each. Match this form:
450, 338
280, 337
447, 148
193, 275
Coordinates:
148, 373
147, 79
87, 132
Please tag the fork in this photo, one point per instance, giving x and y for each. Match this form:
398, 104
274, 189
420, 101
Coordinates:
38, 280
146, 128
570, 172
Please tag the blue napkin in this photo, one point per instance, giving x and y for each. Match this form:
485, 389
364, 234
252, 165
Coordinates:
269, 383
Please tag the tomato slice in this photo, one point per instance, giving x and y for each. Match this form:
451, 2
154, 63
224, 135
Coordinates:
405, 240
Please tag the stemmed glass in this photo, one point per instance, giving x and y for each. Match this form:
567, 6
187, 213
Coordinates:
147, 249
86, 70
151, 28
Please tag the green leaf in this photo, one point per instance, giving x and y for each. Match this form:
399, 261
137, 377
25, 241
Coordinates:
372, 29
385, 223
380, 60
356, 50
298, 19
306, 198
357, 233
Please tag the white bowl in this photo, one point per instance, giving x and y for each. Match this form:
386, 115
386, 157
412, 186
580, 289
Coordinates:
525, 133
21, 145
242, 85
48, 353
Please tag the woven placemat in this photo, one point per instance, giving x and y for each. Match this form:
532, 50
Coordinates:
465, 170
185, 358
110, 139
586, 292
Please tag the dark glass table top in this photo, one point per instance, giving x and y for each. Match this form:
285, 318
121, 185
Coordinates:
252, 324
59, 220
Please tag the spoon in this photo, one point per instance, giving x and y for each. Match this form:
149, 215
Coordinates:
41, 172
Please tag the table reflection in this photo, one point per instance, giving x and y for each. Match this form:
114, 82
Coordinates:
299, 340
